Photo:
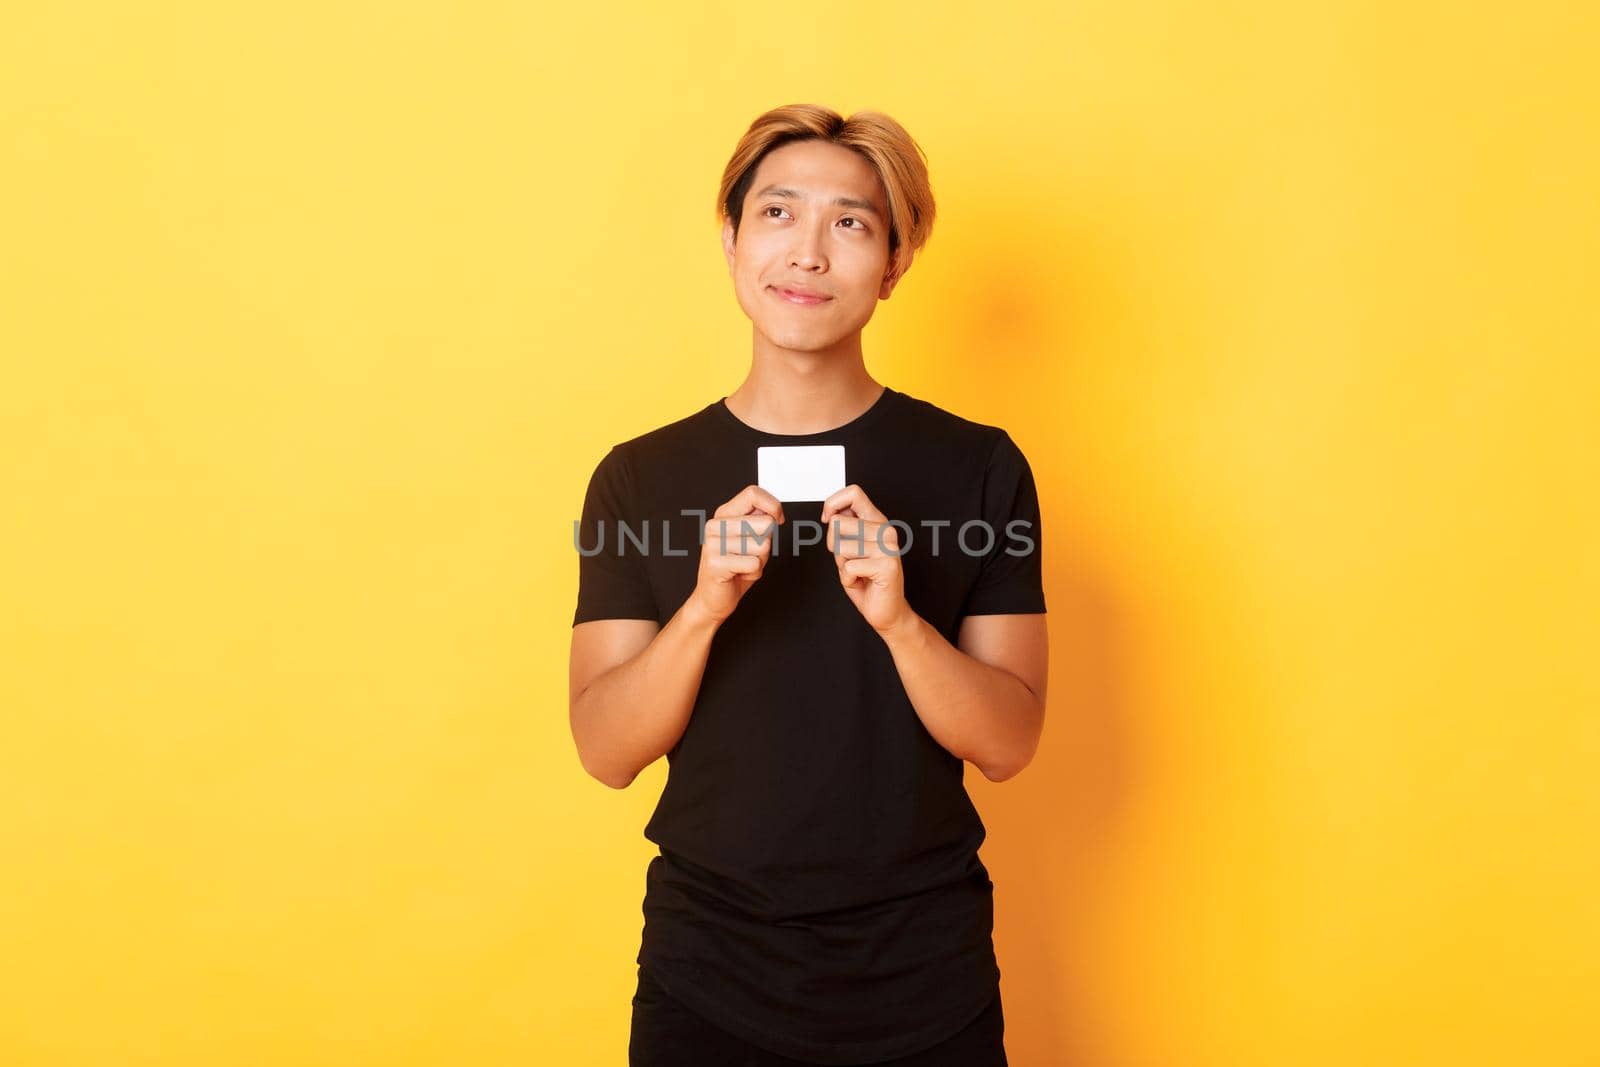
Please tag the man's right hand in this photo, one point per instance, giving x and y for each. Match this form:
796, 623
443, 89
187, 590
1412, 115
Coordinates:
729, 566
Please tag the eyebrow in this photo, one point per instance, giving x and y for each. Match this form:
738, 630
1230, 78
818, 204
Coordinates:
842, 201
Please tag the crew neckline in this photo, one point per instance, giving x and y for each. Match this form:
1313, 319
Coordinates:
858, 423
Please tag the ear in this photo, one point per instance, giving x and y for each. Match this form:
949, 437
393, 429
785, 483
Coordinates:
891, 278
727, 241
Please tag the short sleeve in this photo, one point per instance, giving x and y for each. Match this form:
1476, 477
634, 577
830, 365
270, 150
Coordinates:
1011, 579
612, 580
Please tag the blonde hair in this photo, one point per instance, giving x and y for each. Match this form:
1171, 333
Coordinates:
898, 160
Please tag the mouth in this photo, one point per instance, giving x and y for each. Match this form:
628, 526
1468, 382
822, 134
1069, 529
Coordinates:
803, 299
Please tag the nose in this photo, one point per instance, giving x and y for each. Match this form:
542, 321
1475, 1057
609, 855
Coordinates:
807, 252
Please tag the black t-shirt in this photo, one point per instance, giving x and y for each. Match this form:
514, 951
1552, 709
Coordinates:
818, 890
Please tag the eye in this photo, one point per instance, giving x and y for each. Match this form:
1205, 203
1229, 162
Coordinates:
770, 207
859, 225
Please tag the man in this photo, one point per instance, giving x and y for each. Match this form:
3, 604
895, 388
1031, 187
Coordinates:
818, 897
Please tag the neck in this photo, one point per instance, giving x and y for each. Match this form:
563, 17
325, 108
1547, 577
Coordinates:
793, 392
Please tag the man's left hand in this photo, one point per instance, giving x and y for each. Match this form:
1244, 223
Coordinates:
866, 549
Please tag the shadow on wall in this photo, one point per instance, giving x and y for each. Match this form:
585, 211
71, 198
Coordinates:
1052, 827
1051, 830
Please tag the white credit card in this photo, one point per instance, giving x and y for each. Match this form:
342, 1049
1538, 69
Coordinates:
800, 472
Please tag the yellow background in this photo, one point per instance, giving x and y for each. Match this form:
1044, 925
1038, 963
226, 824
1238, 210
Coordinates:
316, 319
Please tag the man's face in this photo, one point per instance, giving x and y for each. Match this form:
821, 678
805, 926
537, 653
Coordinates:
796, 235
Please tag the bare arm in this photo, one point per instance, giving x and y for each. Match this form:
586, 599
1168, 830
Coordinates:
632, 686
632, 683
984, 700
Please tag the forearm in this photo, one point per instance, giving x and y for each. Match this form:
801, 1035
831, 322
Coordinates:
631, 715
978, 712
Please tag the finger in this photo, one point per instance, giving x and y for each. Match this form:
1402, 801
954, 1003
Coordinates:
731, 566
751, 498
742, 535
853, 570
854, 538
854, 497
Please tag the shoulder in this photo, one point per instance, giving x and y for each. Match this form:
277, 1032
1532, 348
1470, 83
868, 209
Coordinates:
665, 438
641, 451
971, 436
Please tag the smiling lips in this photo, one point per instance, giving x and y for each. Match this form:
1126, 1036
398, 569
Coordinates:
795, 296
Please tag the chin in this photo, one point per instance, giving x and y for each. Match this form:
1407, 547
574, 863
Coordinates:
799, 342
